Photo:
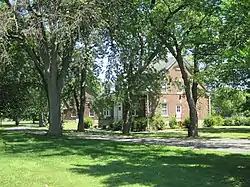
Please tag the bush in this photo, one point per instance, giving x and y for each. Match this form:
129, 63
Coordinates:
228, 122
173, 123
186, 122
157, 123
212, 121
116, 125
241, 121
88, 123
139, 124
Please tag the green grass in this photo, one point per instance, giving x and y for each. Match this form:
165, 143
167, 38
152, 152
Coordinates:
34, 160
242, 132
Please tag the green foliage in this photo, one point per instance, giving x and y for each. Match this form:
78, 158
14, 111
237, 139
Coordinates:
237, 121
173, 123
228, 101
139, 124
115, 125
228, 122
211, 121
186, 122
88, 122
157, 123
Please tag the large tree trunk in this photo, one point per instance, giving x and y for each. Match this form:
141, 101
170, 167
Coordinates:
17, 121
127, 114
193, 126
127, 122
54, 93
80, 106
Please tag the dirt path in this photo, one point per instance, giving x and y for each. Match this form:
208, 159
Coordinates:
225, 145
221, 144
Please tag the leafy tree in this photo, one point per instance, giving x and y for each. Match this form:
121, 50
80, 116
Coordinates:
48, 31
228, 101
184, 28
14, 84
82, 76
133, 51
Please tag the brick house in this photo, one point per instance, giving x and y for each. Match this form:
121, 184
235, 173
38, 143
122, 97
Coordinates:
70, 112
171, 102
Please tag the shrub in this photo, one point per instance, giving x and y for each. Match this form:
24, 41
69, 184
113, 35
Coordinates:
228, 122
212, 121
88, 123
173, 123
139, 124
186, 122
241, 121
116, 125
157, 123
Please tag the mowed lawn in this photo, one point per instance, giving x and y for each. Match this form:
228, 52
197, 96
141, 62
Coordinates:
36, 161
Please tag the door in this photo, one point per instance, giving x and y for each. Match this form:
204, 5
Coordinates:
178, 112
118, 114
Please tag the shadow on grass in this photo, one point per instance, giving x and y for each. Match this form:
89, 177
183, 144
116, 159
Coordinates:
130, 164
225, 130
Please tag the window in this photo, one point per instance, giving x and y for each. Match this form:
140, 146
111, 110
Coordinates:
164, 109
73, 113
163, 89
178, 108
91, 113
106, 113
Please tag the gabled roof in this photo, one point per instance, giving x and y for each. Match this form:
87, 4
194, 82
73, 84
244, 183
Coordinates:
163, 65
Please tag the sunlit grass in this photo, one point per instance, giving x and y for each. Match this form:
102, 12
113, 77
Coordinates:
34, 160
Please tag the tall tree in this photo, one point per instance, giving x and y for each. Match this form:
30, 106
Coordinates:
82, 75
133, 50
48, 31
180, 26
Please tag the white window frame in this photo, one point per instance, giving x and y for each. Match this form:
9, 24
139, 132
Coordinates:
163, 87
107, 113
91, 112
164, 114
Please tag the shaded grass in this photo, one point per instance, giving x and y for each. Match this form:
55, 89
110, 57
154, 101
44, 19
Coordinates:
35, 160
240, 132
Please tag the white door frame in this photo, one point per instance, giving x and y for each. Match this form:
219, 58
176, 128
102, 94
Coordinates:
178, 112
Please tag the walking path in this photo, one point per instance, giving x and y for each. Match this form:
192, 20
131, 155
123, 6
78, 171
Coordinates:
225, 145
218, 144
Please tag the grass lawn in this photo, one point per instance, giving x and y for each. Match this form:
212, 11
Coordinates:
34, 161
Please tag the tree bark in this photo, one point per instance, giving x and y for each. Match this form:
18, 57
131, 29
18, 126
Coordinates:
127, 114
16, 121
193, 126
54, 93
41, 120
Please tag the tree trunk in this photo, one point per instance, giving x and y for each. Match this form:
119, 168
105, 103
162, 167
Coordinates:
55, 127
80, 126
128, 114
193, 126
41, 121
16, 121
127, 122
80, 106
